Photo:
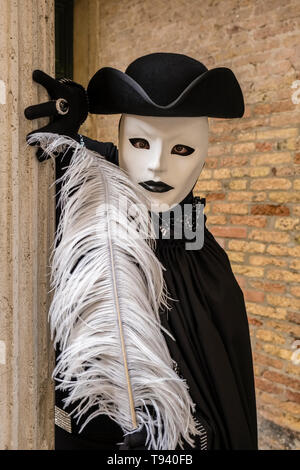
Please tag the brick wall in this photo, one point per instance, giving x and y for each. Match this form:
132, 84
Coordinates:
251, 179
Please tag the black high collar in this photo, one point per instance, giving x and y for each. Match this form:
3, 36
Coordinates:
165, 221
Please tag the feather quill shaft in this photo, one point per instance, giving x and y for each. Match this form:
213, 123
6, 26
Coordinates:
117, 306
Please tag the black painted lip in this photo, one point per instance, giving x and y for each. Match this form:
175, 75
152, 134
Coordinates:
156, 186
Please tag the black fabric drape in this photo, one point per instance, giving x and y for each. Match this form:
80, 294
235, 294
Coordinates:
212, 347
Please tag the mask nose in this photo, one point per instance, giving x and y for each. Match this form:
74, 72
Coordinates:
157, 161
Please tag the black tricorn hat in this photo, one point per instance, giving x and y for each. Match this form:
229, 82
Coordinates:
166, 84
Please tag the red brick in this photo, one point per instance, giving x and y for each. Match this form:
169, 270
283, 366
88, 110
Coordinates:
268, 286
215, 196
283, 119
263, 146
267, 386
233, 161
244, 147
229, 232
282, 379
253, 123
251, 221
267, 360
263, 108
253, 295
270, 209
270, 108
230, 208
292, 396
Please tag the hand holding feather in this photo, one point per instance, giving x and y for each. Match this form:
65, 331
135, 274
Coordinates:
135, 440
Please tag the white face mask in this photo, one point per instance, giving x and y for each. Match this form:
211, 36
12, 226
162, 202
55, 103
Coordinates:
168, 151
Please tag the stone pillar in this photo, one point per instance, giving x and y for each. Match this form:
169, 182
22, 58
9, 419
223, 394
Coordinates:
26, 231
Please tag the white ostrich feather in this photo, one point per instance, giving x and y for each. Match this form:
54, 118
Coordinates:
108, 290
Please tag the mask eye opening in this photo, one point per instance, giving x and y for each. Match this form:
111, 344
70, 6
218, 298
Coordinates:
186, 150
139, 143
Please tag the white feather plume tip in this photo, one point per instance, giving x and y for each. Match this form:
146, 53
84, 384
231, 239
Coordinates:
108, 291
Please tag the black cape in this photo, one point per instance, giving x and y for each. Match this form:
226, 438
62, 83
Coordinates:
212, 347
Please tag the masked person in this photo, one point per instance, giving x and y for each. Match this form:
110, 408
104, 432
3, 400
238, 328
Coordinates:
165, 100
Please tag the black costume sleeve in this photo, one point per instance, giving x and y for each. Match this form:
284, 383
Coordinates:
107, 149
